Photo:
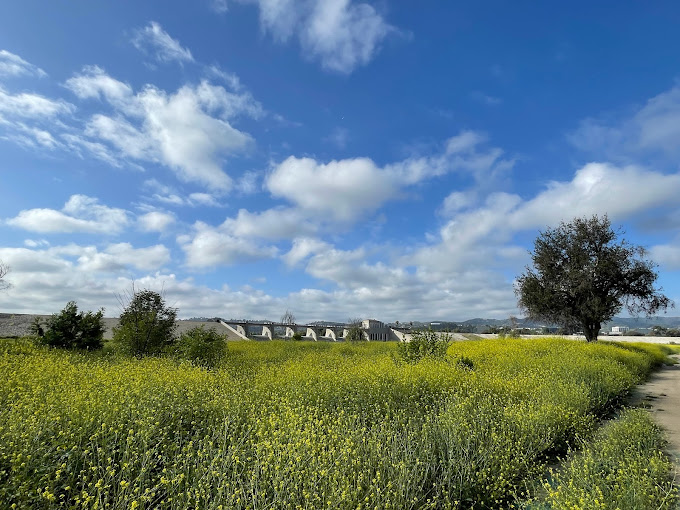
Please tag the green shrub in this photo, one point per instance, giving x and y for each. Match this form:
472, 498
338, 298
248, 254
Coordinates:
424, 344
147, 325
297, 336
71, 329
355, 334
202, 347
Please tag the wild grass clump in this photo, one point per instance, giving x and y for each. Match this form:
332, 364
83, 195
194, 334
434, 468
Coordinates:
424, 344
623, 467
298, 424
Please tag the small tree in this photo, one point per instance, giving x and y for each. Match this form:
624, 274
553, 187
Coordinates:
288, 318
583, 275
71, 329
202, 347
4, 269
147, 324
355, 331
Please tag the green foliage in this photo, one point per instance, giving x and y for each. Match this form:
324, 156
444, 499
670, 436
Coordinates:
355, 334
624, 467
146, 326
298, 425
582, 276
71, 329
424, 344
36, 327
355, 331
202, 347
297, 336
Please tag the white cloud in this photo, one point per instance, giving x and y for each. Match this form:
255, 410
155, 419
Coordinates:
33, 243
599, 188
153, 39
347, 189
344, 189
79, 145
276, 223
652, 129
302, 248
481, 237
80, 214
94, 83
341, 34
155, 221
14, 65
30, 137
28, 105
186, 137
117, 257
210, 247
122, 135
189, 131
205, 199
667, 255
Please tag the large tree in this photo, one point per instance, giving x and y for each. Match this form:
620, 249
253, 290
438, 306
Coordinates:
583, 275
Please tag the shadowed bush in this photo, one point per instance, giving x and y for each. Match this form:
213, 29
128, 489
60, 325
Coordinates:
71, 329
202, 347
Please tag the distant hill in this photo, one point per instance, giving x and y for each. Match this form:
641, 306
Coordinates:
479, 324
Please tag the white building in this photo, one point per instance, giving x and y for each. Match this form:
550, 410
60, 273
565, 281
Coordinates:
619, 330
375, 330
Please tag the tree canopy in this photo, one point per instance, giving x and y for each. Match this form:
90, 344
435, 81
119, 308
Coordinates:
147, 324
583, 275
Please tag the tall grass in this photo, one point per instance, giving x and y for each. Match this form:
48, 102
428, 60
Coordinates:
299, 425
622, 468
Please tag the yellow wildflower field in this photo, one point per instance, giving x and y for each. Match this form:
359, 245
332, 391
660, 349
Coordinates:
300, 425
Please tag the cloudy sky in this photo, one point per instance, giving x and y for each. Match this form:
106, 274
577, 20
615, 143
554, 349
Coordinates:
336, 158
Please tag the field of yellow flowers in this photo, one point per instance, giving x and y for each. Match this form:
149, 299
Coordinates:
300, 425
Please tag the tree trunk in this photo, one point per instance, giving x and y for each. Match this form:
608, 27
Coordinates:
591, 330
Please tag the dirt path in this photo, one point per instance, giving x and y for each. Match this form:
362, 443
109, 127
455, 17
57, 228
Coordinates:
662, 395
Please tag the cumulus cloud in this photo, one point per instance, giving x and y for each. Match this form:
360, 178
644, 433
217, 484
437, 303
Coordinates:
277, 223
302, 248
14, 65
153, 39
652, 129
345, 190
46, 279
155, 221
94, 83
482, 236
80, 214
118, 257
189, 131
210, 247
341, 34
599, 188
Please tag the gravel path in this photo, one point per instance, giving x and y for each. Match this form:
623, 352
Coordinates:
662, 395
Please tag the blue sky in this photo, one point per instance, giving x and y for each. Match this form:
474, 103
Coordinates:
331, 157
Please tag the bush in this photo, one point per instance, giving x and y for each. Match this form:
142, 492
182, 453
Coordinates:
70, 329
147, 325
202, 347
424, 344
